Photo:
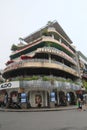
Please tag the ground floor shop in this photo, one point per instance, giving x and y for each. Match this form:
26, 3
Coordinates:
35, 98
30, 94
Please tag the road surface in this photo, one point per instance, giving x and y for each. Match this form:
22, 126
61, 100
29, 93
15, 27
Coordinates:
51, 120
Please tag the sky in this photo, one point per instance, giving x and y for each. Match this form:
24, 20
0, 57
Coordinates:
20, 18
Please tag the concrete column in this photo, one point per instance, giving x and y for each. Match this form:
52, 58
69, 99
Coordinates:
57, 97
46, 98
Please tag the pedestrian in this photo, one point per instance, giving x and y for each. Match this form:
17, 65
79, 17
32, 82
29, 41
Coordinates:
79, 104
80, 100
5, 99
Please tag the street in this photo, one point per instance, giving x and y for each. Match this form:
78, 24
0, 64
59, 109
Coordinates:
55, 120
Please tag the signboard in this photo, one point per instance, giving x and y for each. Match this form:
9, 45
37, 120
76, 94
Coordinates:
8, 85
23, 97
52, 96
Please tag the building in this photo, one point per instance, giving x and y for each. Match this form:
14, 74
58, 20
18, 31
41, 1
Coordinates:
83, 69
1, 78
43, 69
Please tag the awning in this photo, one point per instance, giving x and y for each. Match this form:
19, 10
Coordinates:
9, 62
25, 57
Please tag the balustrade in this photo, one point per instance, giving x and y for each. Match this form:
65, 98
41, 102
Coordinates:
23, 64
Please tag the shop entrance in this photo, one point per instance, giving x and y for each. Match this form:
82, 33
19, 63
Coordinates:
71, 98
14, 96
3, 98
62, 98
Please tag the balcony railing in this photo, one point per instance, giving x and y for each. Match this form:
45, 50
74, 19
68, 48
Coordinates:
22, 63
39, 84
41, 39
48, 85
56, 52
49, 38
67, 48
52, 29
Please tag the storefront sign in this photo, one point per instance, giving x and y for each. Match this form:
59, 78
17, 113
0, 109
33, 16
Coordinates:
9, 85
6, 85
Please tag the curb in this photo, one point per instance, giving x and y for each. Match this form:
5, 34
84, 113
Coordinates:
38, 110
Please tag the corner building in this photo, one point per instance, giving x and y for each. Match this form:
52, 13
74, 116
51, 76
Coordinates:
43, 70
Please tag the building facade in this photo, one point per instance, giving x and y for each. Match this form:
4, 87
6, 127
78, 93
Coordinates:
83, 69
43, 69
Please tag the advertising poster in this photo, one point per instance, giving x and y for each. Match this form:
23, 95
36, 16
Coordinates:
23, 97
52, 96
38, 100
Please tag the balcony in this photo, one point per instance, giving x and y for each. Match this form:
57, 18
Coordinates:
55, 51
48, 85
41, 63
67, 48
39, 43
84, 76
51, 39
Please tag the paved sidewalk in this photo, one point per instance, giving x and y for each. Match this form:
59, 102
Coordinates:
39, 109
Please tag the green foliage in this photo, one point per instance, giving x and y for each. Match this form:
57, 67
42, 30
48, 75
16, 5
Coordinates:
85, 84
49, 23
27, 78
45, 32
1, 82
48, 44
14, 47
35, 78
45, 78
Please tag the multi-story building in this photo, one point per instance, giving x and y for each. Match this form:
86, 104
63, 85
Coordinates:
83, 69
43, 69
1, 78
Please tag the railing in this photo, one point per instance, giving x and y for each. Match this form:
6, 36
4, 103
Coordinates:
56, 52
52, 29
66, 47
49, 85
43, 38
39, 84
22, 64
54, 40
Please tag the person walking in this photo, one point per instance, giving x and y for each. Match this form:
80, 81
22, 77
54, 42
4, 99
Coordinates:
80, 100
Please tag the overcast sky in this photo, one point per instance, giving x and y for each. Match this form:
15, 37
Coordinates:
19, 18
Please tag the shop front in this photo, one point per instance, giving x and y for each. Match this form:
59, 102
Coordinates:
9, 93
71, 97
3, 98
38, 94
